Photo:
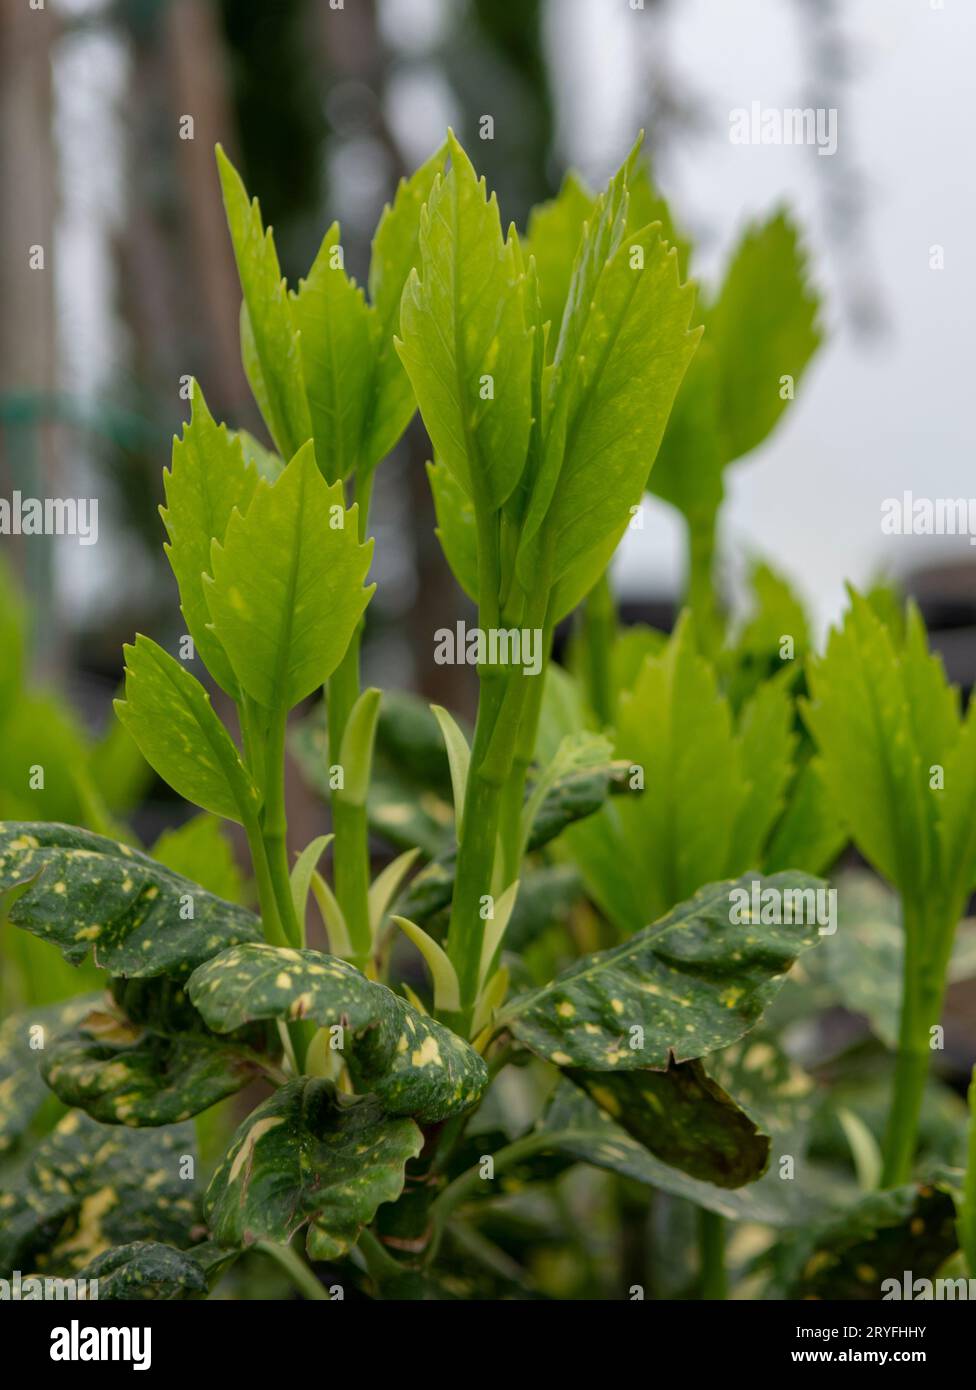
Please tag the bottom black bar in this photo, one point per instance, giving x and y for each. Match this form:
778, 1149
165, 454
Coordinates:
164, 1338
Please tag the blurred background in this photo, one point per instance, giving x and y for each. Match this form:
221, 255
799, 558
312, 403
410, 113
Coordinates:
323, 105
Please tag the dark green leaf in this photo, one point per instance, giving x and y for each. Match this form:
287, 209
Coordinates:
24, 1039
414, 1064
310, 1156
90, 1187
691, 983
85, 892
145, 1270
122, 1072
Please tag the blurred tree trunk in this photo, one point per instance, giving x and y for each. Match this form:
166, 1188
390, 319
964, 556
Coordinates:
28, 350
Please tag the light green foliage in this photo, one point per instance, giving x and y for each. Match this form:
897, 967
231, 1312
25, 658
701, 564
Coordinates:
463, 320
169, 715
287, 586
199, 851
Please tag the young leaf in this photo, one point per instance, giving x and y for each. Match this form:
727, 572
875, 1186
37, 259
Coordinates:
207, 480
385, 887
336, 332
273, 342
456, 527
459, 756
168, 713
621, 356
395, 253
356, 752
693, 982
286, 592
310, 1156
465, 345
446, 991
766, 301
554, 234
414, 1064
882, 718
82, 891
301, 874
332, 917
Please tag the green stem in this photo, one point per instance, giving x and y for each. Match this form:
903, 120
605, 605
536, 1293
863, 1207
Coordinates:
296, 1269
275, 827
468, 1182
598, 629
711, 1246
349, 824
701, 594
928, 939
267, 902
380, 1263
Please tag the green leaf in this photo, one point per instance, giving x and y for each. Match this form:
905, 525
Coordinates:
767, 745
684, 1118
337, 346
145, 1270
415, 1065
674, 725
119, 770
89, 1187
693, 982
268, 464
581, 752
810, 831
446, 989
553, 237
24, 1038
882, 718
456, 527
276, 342
168, 713
462, 320
207, 481
310, 1156
356, 750
286, 592
623, 349
767, 302
303, 871
82, 891
886, 1233
584, 1132
41, 731
395, 253
201, 852
459, 757
122, 1072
